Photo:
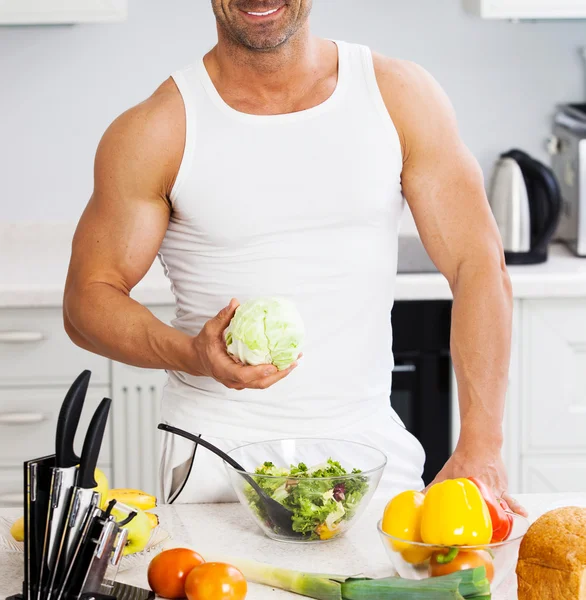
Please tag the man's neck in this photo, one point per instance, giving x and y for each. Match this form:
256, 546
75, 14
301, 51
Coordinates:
270, 71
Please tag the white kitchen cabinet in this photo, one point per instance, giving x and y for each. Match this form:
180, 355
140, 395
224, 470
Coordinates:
548, 475
553, 396
36, 351
28, 421
527, 9
32, 12
11, 487
554, 376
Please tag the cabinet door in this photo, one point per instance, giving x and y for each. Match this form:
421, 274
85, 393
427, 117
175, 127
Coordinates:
554, 377
11, 487
563, 474
28, 421
61, 11
527, 9
35, 350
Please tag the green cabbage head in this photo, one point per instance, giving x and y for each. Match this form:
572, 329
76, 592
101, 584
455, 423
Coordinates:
266, 331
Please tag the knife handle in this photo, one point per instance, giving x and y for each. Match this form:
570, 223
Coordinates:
92, 445
68, 421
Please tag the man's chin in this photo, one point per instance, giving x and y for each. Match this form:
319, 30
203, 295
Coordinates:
262, 44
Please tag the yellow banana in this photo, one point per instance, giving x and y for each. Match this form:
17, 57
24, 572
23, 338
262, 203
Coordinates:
102, 486
134, 498
17, 529
154, 519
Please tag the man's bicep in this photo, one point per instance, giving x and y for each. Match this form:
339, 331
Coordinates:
117, 243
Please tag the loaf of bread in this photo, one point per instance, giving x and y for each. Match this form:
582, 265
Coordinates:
552, 557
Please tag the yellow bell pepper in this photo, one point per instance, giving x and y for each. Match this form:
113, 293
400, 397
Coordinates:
455, 514
402, 519
325, 533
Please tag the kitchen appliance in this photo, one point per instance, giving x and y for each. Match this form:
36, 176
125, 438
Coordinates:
526, 202
420, 393
567, 147
72, 548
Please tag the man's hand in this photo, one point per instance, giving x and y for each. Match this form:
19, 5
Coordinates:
213, 360
484, 463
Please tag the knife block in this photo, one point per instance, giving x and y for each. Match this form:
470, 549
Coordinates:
72, 547
36, 487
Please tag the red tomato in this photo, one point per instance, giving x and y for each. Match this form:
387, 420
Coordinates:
215, 581
168, 571
465, 559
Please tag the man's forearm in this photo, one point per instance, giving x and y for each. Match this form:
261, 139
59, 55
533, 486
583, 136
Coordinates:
481, 347
106, 321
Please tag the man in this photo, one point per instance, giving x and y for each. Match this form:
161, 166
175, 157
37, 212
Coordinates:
278, 165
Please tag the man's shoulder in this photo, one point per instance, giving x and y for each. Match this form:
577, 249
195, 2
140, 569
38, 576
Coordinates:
155, 126
147, 140
416, 102
159, 117
411, 94
396, 75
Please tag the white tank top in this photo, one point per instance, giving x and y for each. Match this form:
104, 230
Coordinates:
304, 205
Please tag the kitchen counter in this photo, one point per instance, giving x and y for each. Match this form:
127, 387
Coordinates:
221, 531
35, 258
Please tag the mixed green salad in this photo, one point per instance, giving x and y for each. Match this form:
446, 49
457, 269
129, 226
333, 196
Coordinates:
321, 498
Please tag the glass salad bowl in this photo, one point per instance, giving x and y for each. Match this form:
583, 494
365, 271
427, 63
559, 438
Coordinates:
325, 484
416, 560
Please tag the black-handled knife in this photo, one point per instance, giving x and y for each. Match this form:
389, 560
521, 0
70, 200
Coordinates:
92, 446
63, 476
68, 421
84, 498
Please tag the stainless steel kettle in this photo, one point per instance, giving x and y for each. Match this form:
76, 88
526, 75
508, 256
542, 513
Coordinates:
526, 202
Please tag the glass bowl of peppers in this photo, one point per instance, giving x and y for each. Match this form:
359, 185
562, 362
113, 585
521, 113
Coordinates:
459, 524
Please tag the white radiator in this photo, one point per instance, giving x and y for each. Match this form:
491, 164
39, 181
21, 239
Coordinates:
136, 410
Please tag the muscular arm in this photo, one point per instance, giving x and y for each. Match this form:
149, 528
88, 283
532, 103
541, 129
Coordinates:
444, 188
119, 235
118, 238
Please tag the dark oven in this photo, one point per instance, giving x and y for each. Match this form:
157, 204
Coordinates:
422, 375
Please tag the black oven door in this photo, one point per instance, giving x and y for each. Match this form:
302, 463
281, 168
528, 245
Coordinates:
421, 397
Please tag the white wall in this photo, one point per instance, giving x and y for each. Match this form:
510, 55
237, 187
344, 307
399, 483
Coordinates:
60, 87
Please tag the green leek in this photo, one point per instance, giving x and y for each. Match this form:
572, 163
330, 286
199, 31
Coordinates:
461, 585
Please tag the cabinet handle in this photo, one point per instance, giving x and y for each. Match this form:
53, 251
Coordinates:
14, 499
20, 337
21, 418
408, 368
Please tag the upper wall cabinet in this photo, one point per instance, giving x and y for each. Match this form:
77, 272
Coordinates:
527, 9
41, 12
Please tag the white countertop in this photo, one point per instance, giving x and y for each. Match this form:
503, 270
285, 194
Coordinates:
222, 531
34, 260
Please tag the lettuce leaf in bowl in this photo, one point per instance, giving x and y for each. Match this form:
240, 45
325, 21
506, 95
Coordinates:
321, 497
